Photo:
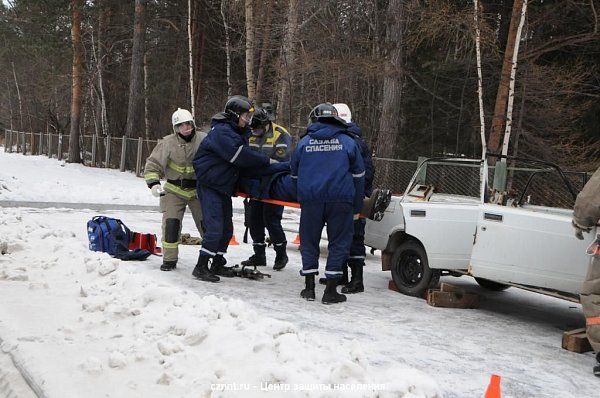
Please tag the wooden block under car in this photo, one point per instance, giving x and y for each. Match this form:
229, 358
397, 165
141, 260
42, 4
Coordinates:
576, 341
449, 296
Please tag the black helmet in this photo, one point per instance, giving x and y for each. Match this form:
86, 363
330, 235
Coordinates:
260, 118
238, 105
270, 110
324, 112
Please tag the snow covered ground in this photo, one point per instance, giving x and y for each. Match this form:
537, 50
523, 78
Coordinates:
80, 323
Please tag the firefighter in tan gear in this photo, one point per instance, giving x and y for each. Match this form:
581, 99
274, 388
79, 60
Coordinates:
172, 159
585, 217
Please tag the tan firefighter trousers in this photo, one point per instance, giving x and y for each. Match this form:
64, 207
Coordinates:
590, 301
172, 208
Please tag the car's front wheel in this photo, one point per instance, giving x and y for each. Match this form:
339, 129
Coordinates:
410, 269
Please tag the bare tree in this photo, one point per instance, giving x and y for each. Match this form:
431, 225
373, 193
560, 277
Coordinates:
190, 57
227, 46
288, 59
137, 64
250, 43
264, 49
504, 85
77, 85
391, 123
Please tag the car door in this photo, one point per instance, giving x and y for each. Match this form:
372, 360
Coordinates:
532, 246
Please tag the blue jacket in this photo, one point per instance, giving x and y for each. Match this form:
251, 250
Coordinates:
365, 151
328, 167
222, 153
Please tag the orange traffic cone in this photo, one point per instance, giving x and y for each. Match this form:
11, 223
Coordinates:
493, 390
296, 240
233, 241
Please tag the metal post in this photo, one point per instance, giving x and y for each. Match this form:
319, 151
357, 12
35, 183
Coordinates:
94, 148
24, 143
107, 154
49, 145
59, 153
422, 177
123, 153
138, 163
9, 141
41, 147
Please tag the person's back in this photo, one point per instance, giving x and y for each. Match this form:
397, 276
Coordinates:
324, 164
329, 174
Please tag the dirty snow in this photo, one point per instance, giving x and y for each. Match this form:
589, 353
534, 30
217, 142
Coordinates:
84, 324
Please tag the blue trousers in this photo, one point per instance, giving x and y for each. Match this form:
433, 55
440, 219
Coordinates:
265, 215
313, 217
357, 249
217, 220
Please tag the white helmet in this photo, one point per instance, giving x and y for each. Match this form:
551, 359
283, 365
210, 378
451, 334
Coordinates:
181, 116
344, 112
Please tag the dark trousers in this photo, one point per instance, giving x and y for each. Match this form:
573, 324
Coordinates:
338, 217
357, 249
217, 221
266, 215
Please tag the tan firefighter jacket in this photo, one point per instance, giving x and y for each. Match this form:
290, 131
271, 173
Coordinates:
172, 159
587, 205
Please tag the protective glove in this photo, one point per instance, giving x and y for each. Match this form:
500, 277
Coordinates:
356, 216
579, 230
157, 190
273, 161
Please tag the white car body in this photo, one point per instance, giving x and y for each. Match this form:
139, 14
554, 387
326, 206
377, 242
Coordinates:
531, 247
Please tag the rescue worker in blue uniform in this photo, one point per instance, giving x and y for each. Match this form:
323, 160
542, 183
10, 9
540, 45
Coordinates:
330, 177
217, 166
356, 261
275, 142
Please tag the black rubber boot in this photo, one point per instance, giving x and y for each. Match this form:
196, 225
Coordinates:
331, 296
596, 369
168, 265
308, 292
341, 281
356, 281
202, 272
281, 258
218, 267
258, 259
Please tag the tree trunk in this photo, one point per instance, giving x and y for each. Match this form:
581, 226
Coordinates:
146, 105
77, 86
288, 60
227, 46
136, 74
479, 79
103, 60
264, 50
513, 72
190, 58
18, 97
503, 87
391, 122
250, 43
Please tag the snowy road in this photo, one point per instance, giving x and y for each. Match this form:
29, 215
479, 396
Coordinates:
88, 325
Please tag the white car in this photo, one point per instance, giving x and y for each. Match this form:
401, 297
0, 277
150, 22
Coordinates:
447, 223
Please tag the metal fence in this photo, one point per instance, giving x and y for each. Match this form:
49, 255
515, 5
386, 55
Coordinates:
96, 151
545, 188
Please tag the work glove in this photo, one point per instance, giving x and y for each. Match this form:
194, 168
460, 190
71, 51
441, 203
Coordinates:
273, 161
356, 216
580, 229
157, 190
